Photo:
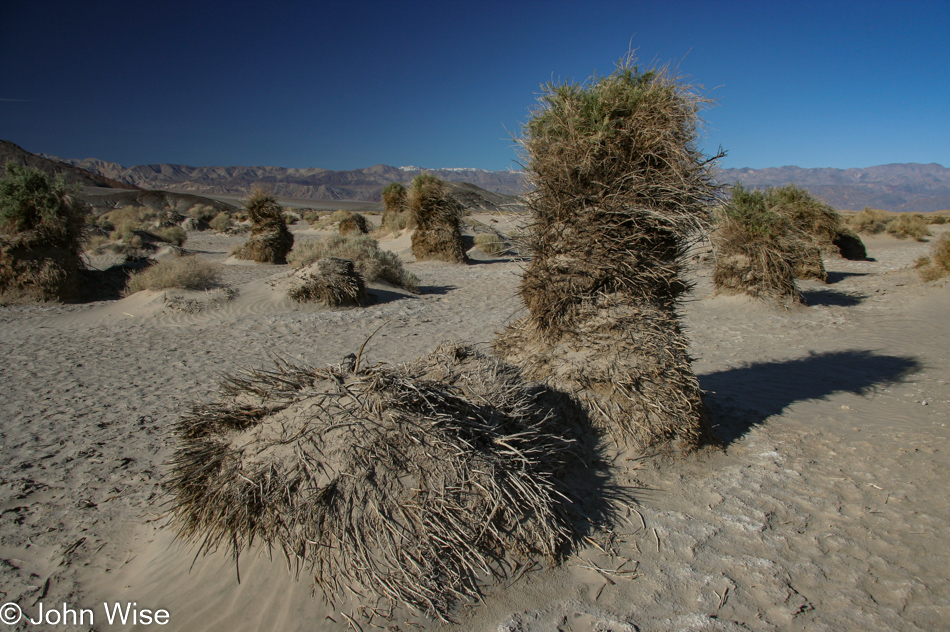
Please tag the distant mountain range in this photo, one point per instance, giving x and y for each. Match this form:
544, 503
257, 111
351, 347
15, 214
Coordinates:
895, 187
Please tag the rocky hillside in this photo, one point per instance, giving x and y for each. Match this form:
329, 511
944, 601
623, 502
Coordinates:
895, 187
10, 152
314, 184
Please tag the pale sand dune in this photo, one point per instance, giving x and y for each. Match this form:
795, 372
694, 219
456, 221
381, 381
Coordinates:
826, 511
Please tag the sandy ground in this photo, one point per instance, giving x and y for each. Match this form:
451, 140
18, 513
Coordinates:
827, 509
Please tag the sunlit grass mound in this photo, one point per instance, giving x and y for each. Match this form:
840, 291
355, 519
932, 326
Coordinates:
270, 240
407, 484
184, 273
758, 249
820, 222
937, 265
354, 223
369, 261
41, 235
621, 190
329, 281
436, 217
900, 225
397, 215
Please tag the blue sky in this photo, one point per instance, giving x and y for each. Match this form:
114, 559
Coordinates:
344, 85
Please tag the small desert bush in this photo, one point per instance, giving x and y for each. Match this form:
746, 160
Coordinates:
937, 219
291, 217
937, 265
372, 263
870, 221
354, 223
311, 217
397, 216
437, 217
221, 222
908, 225
757, 248
330, 281
490, 243
42, 225
270, 240
185, 273
174, 235
203, 213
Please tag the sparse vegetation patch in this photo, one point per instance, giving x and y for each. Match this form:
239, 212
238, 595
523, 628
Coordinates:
270, 240
185, 273
372, 263
42, 227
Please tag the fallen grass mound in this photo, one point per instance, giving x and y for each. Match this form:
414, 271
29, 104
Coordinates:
621, 191
330, 281
937, 265
436, 217
818, 221
184, 273
369, 261
270, 240
408, 484
41, 234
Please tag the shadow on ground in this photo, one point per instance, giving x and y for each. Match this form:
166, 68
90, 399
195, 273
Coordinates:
831, 298
744, 397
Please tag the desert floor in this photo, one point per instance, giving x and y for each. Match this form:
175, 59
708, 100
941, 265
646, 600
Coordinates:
827, 510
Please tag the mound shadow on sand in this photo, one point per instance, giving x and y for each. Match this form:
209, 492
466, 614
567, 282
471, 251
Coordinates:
831, 298
767, 388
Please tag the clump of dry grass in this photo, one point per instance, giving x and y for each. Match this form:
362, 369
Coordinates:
397, 215
185, 273
221, 222
329, 281
436, 216
270, 240
900, 225
937, 265
761, 249
370, 262
908, 225
822, 224
42, 225
405, 484
621, 190
490, 243
354, 223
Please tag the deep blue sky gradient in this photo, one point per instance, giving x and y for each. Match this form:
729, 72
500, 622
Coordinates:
343, 85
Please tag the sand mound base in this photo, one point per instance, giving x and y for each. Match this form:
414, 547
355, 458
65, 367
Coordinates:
626, 362
402, 485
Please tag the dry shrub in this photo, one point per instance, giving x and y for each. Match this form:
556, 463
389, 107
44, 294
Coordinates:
354, 223
937, 265
621, 190
436, 216
937, 219
407, 484
397, 215
759, 250
330, 281
175, 235
490, 243
819, 222
270, 240
42, 226
870, 221
221, 222
372, 263
185, 273
908, 225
